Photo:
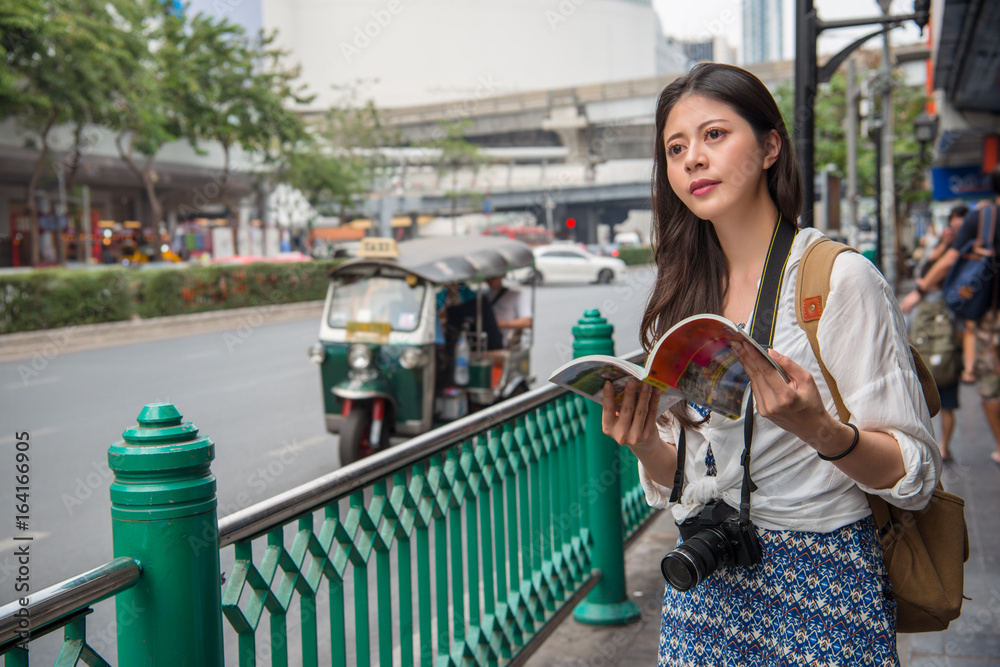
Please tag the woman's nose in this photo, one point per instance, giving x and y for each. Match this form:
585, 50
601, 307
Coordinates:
694, 158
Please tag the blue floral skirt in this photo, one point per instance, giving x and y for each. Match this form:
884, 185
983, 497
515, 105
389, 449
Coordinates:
814, 599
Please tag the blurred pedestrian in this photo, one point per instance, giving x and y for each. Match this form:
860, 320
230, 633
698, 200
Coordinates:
928, 310
987, 329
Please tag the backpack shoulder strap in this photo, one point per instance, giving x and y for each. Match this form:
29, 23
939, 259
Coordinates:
986, 230
811, 291
812, 287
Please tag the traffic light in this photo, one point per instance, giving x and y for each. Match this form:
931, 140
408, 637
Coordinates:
570, 223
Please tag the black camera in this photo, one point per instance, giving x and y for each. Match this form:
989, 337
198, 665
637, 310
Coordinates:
711, 540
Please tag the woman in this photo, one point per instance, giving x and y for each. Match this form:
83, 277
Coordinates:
724, 177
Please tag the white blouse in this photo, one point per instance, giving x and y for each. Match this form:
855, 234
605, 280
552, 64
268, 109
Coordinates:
862, 337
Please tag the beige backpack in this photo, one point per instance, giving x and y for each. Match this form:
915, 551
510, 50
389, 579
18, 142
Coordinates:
924, 551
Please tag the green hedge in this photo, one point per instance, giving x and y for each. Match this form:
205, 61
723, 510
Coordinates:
633, 256
46, 299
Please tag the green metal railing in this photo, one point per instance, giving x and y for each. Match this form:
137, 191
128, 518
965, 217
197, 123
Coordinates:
64, 605
465, 545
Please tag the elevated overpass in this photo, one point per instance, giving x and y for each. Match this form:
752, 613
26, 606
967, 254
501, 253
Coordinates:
583, 152
577, 118
590, 194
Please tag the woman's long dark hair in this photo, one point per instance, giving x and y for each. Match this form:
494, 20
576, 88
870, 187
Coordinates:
692, 271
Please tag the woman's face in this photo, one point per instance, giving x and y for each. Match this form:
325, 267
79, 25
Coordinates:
715, 164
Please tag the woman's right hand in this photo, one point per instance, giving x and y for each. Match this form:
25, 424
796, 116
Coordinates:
634, 424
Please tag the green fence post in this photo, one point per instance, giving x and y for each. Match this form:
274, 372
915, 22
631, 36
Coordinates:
607, 603
163, 514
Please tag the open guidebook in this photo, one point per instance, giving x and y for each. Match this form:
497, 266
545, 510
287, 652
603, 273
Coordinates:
694, 361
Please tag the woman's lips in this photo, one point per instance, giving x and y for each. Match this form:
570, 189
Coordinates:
702, 187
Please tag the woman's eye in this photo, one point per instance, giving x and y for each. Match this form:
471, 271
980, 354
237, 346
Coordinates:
715, 133
674, 149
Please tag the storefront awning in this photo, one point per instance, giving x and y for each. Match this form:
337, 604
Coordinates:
967, 54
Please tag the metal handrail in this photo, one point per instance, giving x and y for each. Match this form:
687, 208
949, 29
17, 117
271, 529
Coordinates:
50, 605
276, 511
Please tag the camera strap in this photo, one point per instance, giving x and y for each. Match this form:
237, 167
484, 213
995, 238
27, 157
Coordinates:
761, 330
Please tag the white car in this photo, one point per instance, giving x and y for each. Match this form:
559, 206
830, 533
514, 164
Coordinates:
568, 263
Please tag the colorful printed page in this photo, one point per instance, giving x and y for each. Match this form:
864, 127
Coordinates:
696, 357
693, 361
586, 376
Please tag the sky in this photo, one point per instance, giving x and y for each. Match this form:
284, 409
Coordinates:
694, 19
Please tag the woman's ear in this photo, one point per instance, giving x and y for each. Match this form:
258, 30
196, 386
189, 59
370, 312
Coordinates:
772, 148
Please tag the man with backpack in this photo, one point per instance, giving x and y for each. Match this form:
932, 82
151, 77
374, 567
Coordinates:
933, 334
987, 365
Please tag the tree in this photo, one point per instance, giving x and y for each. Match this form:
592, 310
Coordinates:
22, 35
148, 113
831, 135
146, 74
63, 65
241, 96
342, 160
454, 153
329, 183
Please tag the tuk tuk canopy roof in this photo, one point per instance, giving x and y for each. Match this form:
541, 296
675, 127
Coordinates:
454, 259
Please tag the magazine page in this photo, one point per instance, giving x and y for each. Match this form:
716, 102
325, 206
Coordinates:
697, 358
586, 376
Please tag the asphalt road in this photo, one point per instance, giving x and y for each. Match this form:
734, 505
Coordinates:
250, 389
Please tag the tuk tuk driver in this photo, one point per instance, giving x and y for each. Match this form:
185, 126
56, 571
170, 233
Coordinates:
512, 309
452, 294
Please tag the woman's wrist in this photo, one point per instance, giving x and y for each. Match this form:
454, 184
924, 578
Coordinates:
850, 448
646, 445
833, 439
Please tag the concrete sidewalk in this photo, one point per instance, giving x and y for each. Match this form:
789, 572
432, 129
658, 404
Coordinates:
971, 641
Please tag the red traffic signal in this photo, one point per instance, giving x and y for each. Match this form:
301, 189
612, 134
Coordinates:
570, 223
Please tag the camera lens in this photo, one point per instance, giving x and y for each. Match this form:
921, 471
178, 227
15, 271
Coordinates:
695, 559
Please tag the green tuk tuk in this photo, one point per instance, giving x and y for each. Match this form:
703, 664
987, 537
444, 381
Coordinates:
409, 338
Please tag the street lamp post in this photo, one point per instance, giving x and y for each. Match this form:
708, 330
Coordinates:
808, 76
925, 127
875, 134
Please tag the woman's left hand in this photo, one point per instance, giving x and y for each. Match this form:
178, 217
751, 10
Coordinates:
795, 406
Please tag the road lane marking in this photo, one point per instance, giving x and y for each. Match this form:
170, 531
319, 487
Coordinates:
191, 356
266, 381
297, 446
34, 383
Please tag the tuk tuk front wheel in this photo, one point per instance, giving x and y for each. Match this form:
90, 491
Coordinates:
355, 435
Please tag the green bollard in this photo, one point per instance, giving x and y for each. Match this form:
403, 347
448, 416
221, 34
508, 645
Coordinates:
163, 515
607, 603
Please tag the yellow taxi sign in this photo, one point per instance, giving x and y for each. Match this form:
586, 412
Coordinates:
377, 247
371, 332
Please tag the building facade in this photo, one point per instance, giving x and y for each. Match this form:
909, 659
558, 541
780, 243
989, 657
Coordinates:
763, 31
403, 53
